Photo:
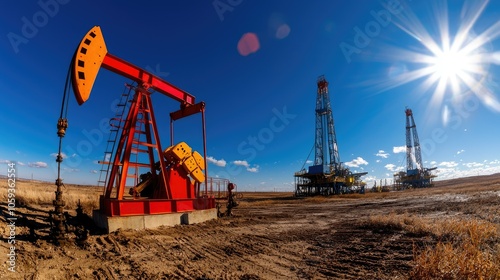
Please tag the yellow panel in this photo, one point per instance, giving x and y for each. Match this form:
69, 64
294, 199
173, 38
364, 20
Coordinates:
87, 62
197, 175
181, 150
199, 160
189, 164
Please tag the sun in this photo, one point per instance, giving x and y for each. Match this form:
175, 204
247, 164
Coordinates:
446, 63
450, 64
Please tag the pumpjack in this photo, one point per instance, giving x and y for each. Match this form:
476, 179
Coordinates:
171, 179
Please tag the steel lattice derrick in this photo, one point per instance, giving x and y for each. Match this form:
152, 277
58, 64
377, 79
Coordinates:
324, 117
413, 151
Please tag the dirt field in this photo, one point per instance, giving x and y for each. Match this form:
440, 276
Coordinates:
270, 236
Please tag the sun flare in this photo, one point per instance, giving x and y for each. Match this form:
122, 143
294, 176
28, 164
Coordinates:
452, 63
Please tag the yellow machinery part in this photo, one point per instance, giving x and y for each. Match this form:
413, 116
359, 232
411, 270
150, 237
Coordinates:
195, 165
199, 160
198, 175
192, 162
86, 64
189, 164
181, 151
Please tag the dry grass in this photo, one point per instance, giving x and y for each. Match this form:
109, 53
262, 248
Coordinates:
465, 248
459, 260
43, 194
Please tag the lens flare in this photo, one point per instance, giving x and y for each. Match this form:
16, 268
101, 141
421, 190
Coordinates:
451, 65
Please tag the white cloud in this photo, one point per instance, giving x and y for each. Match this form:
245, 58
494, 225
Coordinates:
38, 164
448, 164
356, 162
399, 149
218, 162
369, 178
393, 168
473, 164
5, 161
459, 152
309, 161
93, 171
253, 169
244, 163
433, 162
382, 154
496, 161
378, 160
21, 163
449, 173
241, 163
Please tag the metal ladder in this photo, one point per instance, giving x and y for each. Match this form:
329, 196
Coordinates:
136, 149
116, 123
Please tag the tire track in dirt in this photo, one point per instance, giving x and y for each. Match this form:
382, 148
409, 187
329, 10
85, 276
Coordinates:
226, 253
348, 252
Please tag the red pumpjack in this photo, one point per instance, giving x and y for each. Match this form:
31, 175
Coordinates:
175, 190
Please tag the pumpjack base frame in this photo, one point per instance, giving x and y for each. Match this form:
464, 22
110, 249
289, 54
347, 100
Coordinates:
113, 223
130, 207
151, 213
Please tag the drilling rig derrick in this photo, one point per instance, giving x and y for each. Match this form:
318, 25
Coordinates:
416, 176
327, 176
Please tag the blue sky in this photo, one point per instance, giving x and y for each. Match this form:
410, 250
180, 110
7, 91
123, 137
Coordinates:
255, 64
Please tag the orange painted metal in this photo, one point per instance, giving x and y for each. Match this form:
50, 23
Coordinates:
92, 54
174, 192
145, 79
